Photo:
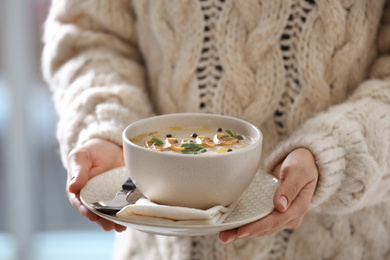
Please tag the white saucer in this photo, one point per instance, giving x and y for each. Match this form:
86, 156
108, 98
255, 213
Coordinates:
256, 203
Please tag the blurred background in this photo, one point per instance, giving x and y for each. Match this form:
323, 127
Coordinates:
37, 221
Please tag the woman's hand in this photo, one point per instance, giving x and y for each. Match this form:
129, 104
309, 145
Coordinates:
92, 158
298, 174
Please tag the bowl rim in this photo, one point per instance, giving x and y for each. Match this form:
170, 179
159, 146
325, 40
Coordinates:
253, 145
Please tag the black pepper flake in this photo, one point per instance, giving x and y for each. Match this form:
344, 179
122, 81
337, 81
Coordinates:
230, 150
168, 135
194, 135
219, 130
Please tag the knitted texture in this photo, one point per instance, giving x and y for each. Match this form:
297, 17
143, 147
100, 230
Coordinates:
312, 74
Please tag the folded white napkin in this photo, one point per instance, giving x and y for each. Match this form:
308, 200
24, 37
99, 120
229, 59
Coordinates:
145, 210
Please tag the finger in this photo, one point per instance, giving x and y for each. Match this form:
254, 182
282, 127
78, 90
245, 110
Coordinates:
228, 236
271, 222
77, 204
267, 231
300, 206
276, 171
78, 170
278, 221
275, 222
119, 228
290, 219
85, 212
106, 224
294, 181
280, 201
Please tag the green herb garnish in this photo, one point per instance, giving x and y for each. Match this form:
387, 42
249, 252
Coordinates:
192, 148
234, 134
156, 140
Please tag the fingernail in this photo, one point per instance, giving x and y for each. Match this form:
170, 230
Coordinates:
244, 235
231, 239
283, 201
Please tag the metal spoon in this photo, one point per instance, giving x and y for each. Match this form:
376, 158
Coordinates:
113, 206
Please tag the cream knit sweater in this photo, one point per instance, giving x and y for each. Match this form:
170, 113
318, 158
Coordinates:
312, 74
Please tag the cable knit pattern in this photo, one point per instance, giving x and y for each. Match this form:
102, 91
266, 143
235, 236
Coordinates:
312, 74
98, 90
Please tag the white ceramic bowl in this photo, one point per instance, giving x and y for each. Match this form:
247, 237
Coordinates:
192, 180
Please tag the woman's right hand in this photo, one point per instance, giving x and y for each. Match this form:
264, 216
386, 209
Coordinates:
90, 159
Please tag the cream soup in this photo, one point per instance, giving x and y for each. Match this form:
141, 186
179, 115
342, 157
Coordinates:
193, 140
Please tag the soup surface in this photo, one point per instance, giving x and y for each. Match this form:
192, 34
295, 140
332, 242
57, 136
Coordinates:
193, 140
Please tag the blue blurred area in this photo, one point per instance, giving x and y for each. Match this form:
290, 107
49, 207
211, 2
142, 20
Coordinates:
4, 106
39, 223
63, 245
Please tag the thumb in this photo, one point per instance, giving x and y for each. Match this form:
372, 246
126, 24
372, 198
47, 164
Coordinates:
298, 172
287, 192
280, 200
78, 171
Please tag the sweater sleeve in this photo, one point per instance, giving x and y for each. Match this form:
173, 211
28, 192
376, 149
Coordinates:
351, 141
94, 69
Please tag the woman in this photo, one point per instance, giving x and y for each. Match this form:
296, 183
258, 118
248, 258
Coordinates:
312, 75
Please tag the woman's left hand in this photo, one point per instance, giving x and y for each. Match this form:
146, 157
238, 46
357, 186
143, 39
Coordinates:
298, 174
